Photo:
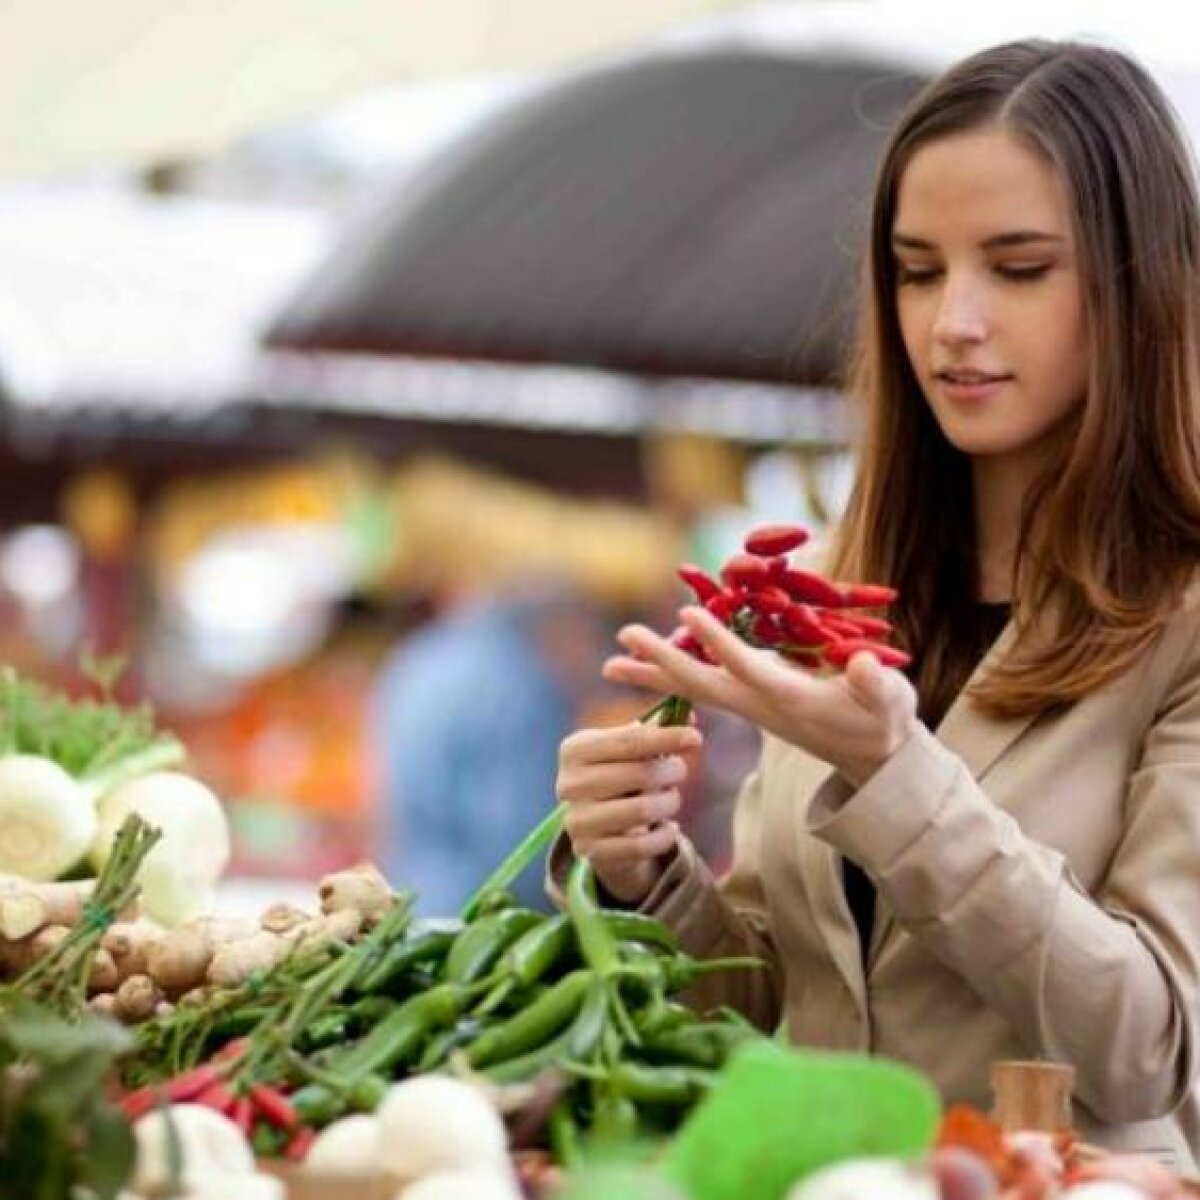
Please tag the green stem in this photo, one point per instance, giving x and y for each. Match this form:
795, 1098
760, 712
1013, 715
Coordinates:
671, 710
161, 756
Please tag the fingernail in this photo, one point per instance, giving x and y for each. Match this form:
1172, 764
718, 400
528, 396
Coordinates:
668, 770
668, 806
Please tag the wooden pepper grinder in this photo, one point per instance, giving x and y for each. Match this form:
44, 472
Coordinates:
1032, 1095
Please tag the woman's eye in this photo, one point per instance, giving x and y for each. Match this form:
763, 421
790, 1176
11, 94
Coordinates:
1023, 272
917, 275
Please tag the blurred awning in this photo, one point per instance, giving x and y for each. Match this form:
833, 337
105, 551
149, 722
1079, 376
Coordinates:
89, 83
682, 217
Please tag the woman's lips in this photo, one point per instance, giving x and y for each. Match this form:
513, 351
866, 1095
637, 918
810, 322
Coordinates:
971, 388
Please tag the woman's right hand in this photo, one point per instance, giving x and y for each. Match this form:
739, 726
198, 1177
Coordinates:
622, 787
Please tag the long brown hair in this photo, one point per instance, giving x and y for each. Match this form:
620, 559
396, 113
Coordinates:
1111, 535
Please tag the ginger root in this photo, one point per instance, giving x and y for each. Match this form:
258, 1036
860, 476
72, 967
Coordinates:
234, 962
138, 998
361, 887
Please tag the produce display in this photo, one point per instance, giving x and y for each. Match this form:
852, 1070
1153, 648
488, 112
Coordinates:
351, 1052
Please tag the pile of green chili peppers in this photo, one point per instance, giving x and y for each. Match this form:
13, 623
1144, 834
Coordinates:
589, 994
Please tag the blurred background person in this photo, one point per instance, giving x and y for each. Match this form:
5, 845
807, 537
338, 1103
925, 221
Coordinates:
466, 721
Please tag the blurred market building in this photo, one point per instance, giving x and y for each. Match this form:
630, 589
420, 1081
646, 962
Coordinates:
575, 305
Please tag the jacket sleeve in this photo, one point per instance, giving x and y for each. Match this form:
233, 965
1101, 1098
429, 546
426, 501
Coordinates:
1107, 982
711, 918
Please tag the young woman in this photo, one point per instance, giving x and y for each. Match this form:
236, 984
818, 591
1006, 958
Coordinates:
997, 854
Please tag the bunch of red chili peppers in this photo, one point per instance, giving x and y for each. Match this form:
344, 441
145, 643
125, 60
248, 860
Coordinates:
249, 1107
807, 618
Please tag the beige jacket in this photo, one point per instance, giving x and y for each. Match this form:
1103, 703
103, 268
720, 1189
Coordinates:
1039, 896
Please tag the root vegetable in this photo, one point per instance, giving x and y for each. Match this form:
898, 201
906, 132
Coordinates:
179, 873
962, 1175
339, 926
283, 919
432, 1123
208, 1144
179, 961
129, 944
361, 887
26, 908
137, 998
348, 1146
234, 962
47, 818
46, 940
103, 976
105, 1005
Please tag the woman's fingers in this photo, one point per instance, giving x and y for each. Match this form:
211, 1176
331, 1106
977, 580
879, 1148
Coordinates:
617, 851
747, 663
589, 823
627, 743
603, 781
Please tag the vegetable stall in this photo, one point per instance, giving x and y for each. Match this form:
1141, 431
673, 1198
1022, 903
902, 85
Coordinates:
349, 1051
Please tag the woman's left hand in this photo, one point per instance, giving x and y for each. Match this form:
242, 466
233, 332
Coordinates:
855, 721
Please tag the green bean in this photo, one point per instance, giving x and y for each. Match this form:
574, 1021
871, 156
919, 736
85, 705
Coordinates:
665, 1087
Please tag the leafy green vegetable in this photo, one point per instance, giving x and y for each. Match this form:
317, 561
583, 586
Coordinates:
59, 1139
95, 739
780, 1114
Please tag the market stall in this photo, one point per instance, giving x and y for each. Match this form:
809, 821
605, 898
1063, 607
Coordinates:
345, 1050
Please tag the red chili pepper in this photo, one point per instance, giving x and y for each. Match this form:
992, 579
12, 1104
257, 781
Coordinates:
810, 659
840, 653
810, 588
744, 570
701, 584
216, 1096
232, 1050
872, 627
804, 626
274, 1106
191, 1083
723, 606
769, 540
867, 595
138, 1103
768, 632
839, 626
772, 600
243, 1115
297, 1149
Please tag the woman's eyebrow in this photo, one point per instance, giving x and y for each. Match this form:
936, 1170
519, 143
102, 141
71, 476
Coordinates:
1017, 237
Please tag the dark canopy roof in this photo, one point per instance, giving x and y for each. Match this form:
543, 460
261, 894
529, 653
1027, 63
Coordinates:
696, 216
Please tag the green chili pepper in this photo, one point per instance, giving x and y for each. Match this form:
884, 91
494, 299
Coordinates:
402, 956
666, 1087
479, 946
564, 1136
532, 1026
398, 1038
530, 958
588, 1028
493, 901
682, 971
441, 1044
370, 1010
640, 928
661, 1015
596, 940
615, 1117
705, 1044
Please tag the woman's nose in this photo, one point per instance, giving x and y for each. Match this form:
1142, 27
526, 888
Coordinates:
960, 315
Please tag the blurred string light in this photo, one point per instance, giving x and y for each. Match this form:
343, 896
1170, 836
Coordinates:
259, 599
39, 564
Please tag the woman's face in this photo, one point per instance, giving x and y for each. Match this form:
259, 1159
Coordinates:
988, 294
